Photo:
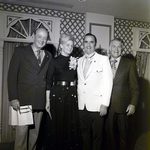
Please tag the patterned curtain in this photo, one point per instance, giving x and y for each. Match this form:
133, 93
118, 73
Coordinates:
141, 58
143, 107
7, 130
18, 31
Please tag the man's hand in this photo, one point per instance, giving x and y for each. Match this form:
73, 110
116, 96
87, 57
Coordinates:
130, 110
103, 110
15, 104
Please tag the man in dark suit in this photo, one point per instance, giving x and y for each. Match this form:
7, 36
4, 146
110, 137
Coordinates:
27, 86
124, 96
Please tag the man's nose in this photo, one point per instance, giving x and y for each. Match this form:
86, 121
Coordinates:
116, 48
89, 44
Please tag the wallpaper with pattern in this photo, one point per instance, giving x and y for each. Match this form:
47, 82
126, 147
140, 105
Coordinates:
71, 22
123, 30
74, 23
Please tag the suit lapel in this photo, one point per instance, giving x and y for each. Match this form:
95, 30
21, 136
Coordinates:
31, 56
80, 66
95, 59
92, 66
46, 58
120, 69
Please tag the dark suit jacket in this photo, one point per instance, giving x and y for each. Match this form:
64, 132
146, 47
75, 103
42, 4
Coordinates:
26, 79
125, 87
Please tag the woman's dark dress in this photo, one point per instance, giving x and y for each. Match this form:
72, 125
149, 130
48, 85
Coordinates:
64, 133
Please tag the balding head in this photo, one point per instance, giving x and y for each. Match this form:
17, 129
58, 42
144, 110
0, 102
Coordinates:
40, 30
40, 38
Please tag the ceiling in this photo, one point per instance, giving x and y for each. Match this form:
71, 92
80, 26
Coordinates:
126, 9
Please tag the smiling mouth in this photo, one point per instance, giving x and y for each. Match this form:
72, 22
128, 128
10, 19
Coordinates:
41, 43
89, 48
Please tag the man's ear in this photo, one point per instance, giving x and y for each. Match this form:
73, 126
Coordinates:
61, 45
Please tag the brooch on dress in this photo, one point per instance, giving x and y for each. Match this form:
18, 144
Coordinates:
73, 63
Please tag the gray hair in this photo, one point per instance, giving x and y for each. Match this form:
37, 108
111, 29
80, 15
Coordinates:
63, 39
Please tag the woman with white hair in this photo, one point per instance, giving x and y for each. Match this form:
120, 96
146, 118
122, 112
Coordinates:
62, 104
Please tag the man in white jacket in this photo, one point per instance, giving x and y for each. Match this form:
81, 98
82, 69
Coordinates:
94, 90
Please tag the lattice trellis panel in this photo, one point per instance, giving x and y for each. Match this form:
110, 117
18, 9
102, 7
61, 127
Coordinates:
75, 27
71, 22
144, 40
23, 28
75, 23
123, 30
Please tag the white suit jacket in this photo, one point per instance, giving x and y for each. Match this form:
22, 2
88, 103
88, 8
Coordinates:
96, 88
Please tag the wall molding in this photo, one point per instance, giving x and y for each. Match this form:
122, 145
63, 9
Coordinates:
71, 22
40, 11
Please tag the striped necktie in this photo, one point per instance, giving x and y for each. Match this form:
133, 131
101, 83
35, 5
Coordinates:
39, 57
86, 67
113, 67
87, 64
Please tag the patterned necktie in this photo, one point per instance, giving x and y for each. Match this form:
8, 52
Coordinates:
113, 67
86, 67
39, 57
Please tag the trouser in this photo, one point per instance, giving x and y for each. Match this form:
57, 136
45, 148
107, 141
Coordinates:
116, 130
26, 136
91, 129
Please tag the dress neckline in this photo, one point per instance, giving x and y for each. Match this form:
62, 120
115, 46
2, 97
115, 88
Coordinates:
64, 56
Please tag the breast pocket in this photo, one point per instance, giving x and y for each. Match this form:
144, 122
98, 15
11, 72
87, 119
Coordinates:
98, 93
98, 70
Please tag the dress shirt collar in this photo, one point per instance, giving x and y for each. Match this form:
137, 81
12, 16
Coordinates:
90, 55
118, 59
36, 50
42, 53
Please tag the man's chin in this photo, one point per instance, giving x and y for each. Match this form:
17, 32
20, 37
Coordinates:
41, 46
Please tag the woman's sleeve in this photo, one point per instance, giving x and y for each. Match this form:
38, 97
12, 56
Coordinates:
50, 74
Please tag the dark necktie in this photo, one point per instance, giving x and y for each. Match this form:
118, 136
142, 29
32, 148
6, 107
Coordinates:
39, 57
113, 67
